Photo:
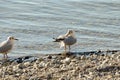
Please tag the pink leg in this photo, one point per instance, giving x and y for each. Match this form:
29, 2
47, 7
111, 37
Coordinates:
69, 48
65, 48
4, 56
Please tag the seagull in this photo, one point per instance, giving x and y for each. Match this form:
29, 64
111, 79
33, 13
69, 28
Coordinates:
67, 39
6, 46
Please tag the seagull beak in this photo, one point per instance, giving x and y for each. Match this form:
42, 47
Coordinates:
15, 39
76, 31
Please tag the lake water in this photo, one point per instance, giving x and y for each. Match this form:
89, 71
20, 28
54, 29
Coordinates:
36, 22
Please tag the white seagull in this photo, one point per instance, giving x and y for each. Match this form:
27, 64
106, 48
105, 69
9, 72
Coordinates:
67, 39
6, 46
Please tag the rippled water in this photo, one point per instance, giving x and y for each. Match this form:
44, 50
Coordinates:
36, 22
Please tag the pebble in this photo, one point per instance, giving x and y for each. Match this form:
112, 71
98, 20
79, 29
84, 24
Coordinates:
82, 57
62, 68
42, 65
26, 64
66, 61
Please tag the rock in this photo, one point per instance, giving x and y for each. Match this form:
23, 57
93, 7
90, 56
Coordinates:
35, 65
23, 59
77, 68
49, 57
109, 76
25, 70
88, 77
54, 57
74, 60
41, 64
34, 78
17, 60
55, 61
117, 73
104, 62
10, 69
56, 66
14, 63
17, 75
118, 57
26, 64
66, 61
82, 57
94, 67
64, 78
30, 59
72, 64
39, 60
49, 76
17, 67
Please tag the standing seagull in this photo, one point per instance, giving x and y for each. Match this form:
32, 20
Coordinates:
6, 46
66, 40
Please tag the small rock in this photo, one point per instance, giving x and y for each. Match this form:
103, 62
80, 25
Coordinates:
30, 59
49, 76
54, 57
82, 57
14, 63
66, 60
35, 65
34, 78
10, 68
64, 78
55, 61
41, 64
19, 66
49, 57
39, 60
117, 73
118, 57
26, 64
109, 76
17, 75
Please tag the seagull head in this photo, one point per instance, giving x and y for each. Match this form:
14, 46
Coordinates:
70, 32
11, 38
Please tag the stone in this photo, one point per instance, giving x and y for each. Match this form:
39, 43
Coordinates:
26, 64
41, 64
66, 61
35, 65
82, 57
49, 57
30, 59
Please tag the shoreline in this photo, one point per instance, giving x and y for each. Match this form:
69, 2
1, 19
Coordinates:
93, 65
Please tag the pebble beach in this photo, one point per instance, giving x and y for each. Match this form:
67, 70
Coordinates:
99, 65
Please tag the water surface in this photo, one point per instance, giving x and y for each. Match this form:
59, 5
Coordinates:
36, 22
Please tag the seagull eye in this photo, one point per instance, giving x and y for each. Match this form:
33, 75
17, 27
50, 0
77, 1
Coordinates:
11, 38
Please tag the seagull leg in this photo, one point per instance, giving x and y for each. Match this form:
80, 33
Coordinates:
3, 56
6, 55
69, 48
65, 48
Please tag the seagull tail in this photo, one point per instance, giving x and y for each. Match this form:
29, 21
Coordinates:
58, 40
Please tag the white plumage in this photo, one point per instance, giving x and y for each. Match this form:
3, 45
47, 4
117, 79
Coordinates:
7, 45
67, 39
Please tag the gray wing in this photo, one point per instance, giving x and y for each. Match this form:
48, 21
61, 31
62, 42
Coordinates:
70, 40
5, 47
